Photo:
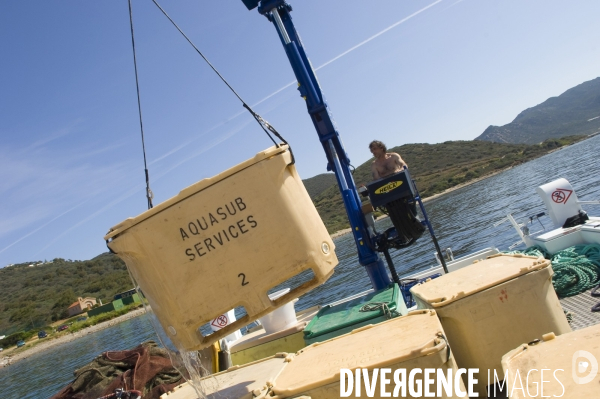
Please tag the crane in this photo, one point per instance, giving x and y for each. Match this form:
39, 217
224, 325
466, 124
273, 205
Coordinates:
368, 242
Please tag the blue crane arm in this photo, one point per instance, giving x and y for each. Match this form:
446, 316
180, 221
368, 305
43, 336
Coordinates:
278, 12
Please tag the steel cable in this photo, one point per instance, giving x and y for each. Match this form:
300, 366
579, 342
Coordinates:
266, 126
149, 194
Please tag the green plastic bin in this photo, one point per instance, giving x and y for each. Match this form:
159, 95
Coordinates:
333, 321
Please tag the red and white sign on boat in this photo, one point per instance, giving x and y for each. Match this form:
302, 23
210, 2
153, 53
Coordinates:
561, 195
560, 200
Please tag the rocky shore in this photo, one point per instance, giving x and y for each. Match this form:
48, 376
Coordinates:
12, 357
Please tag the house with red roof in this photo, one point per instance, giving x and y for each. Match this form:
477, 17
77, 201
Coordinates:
82, 305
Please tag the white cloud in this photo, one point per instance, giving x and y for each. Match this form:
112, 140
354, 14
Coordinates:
39, 228
37, 185
453, 4
378, 34
62, 132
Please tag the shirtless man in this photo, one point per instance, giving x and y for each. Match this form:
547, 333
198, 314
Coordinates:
385, 163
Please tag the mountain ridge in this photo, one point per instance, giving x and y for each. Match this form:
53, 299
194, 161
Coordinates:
574, 112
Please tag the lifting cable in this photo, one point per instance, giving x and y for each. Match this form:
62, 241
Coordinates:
266, 126
149, 194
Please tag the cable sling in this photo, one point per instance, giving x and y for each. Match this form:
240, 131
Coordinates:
266, 126
149, 194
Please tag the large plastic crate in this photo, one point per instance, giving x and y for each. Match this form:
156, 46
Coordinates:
237, 382
414, 341
570, 362
492, 306
224, 242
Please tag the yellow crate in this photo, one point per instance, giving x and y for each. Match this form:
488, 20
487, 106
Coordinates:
238, 382
409, 342
224, 242
569, 361
492, 306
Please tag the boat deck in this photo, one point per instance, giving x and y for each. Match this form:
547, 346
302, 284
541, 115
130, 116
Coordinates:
580, 306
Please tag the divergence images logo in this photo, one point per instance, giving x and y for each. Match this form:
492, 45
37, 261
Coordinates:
388, 187
580, 366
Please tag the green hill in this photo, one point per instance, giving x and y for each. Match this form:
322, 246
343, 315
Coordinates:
319, 183
575, 112
437, 167
34, 294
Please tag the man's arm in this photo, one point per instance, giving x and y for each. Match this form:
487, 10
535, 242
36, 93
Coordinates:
374, 172
398, 160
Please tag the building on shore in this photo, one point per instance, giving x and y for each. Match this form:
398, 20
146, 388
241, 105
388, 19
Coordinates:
121, 300
82, 305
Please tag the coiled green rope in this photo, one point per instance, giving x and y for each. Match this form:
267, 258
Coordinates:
576, 269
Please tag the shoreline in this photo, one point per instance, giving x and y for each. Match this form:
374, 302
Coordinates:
340, 233
7, 360
343, 232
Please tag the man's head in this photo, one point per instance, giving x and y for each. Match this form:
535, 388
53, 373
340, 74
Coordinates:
377, 145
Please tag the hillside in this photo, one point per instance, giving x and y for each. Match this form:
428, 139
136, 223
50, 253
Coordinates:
436, 167
575, 112
34, 296
319, 183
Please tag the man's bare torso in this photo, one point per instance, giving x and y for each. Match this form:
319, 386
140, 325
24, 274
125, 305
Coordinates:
386, 165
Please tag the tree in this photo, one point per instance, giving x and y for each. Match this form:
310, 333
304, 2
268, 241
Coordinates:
22, 313
61, 306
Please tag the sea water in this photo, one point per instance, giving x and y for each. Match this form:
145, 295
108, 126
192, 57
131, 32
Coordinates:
462, 220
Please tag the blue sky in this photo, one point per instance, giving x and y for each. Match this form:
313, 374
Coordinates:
399, 71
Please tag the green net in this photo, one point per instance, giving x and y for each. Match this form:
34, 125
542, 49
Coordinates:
576, 269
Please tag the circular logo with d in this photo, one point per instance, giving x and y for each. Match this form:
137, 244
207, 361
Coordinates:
584, 363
